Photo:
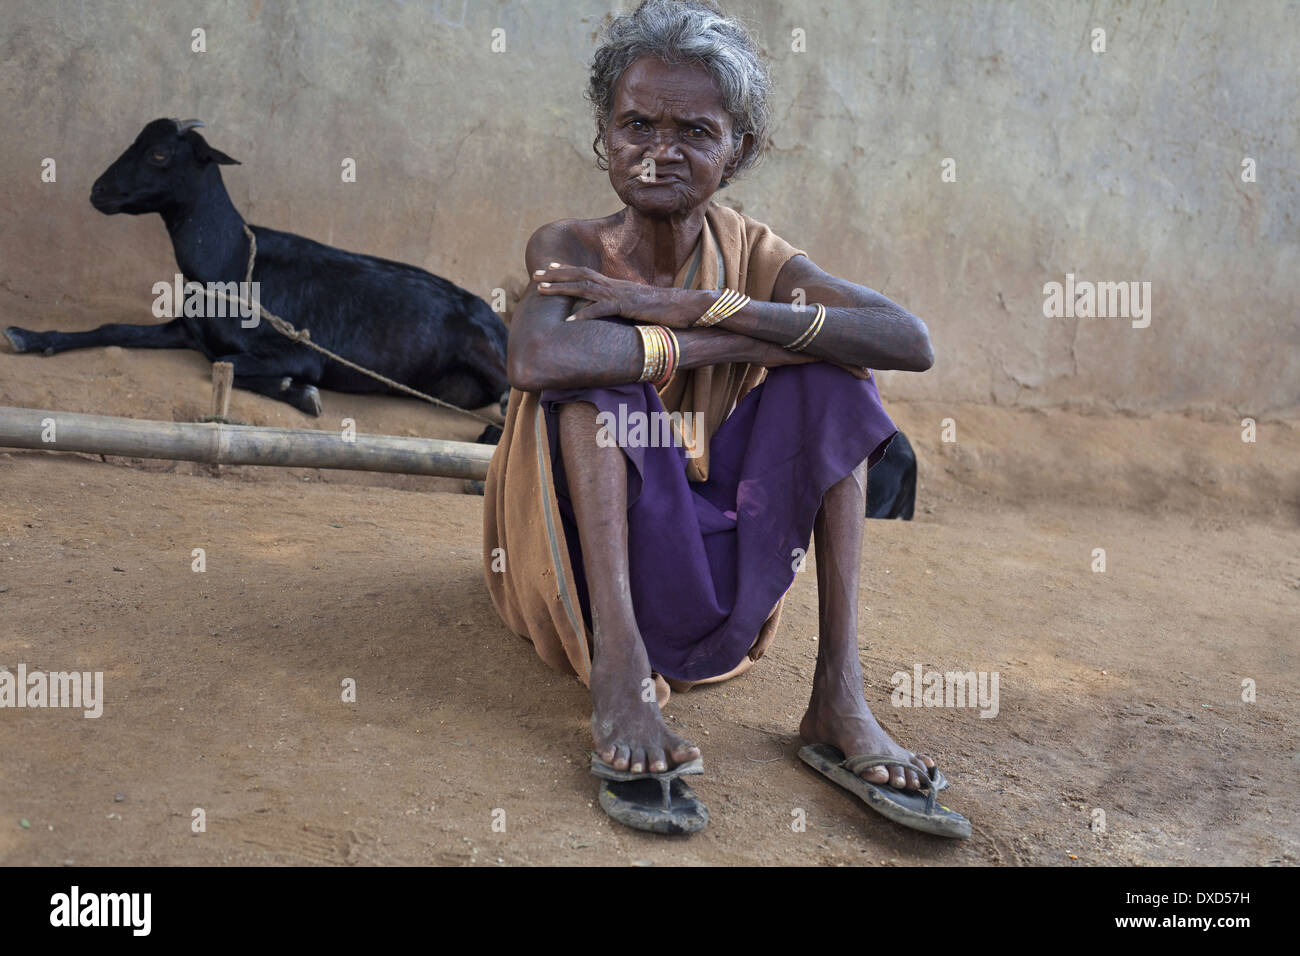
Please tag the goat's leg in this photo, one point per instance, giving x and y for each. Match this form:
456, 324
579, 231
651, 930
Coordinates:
266, 377
305, 398
168, 335
461, 387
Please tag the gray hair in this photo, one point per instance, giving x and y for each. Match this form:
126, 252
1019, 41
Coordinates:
687, 31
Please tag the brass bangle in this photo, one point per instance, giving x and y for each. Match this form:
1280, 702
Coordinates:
645, 352
810, 333
653, 348
663, 352
673, 355
729, 303
655, 340
665, 356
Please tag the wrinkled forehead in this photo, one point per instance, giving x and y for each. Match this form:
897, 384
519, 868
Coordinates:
677, 91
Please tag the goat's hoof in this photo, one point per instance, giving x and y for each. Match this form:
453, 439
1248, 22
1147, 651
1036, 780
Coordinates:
473, 487
310, 401
15, 337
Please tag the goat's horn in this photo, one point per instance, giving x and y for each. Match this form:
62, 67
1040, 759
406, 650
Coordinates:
183, 126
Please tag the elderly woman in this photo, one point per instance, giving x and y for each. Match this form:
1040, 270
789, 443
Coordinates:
639, 562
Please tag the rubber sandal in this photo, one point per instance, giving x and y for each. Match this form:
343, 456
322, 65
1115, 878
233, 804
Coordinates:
656, 802
919, 810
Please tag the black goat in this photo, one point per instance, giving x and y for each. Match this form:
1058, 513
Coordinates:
407, 324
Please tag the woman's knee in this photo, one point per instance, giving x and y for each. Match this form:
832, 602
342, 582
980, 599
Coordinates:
577, 414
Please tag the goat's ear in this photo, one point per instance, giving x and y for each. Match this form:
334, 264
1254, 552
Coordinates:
206, 154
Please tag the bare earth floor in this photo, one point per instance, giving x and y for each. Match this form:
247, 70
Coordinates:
1120, 691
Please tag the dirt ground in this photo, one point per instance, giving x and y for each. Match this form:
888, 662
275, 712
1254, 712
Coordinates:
1119, 691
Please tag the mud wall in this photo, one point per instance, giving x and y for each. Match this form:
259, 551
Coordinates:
1116, 166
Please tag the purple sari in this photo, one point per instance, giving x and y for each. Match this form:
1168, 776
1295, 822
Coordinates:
709, 560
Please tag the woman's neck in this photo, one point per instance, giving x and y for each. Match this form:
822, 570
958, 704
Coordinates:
657, 247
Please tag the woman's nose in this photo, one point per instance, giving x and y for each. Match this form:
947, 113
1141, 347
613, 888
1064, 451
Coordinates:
664, 146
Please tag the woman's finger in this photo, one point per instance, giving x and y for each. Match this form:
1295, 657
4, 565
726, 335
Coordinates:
556, 273
597, 310
579, 290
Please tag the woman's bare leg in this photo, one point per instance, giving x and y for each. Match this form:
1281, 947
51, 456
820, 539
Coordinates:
628, 728
837, 712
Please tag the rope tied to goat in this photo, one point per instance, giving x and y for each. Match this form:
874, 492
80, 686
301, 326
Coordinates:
303, 336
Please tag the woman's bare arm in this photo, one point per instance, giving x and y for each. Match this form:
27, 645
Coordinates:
861, 327
545, 351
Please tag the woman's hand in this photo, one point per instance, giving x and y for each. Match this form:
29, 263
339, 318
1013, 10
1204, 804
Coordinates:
771, 355
711, 346
674, 308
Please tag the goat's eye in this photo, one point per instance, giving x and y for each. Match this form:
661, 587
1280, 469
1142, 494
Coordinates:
158, 158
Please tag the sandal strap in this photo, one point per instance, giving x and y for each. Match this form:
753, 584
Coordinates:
858, 762
607, 772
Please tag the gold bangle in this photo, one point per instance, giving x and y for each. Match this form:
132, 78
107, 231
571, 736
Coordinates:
666, 355
729, 303
810, 333
657, 367
654, 339
652, 347
673, 354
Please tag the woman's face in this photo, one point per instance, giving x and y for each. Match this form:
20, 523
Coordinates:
673, 116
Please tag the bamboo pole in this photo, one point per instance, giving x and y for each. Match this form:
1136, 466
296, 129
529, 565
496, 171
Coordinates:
220, 444
223, 376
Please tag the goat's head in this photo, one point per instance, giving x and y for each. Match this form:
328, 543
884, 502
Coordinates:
162, 168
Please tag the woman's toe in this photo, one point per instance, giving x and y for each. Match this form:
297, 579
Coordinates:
656, 761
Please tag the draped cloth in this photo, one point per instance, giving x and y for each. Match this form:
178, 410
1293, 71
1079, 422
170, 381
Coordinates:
712, 550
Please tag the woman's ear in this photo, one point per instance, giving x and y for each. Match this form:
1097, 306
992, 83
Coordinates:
744, 146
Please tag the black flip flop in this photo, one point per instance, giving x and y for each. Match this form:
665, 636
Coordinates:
657, 802
919, 810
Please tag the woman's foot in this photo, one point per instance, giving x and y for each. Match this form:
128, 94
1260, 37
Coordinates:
846, 722
628, 729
